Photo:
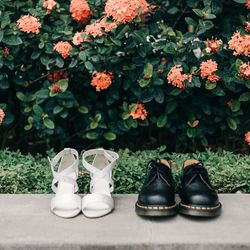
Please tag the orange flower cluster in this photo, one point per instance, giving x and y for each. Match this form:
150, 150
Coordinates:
207, 71
240, 44
176, 78
248, 4
63, 48
245, 70
55, 88
57, 75
140, 112
49, 5
213, 45
77, 38
125, 10
96, 29
29, 24
101, 80
2, 115
247, 138
80, 10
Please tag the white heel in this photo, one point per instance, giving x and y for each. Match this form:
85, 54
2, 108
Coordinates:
100, 201
66, 203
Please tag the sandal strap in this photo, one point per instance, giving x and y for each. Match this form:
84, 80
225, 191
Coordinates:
97, 198
64, 175
105, 173
72, 201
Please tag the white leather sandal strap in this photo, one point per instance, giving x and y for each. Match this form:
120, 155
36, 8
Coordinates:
106, 172
66, 201
65, 151
64, 175
97, 198
110, 155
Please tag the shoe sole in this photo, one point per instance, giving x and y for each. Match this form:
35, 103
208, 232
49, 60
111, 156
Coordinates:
155, 211
200, 211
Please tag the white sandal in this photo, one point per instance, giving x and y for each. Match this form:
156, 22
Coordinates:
100, 201
65, 203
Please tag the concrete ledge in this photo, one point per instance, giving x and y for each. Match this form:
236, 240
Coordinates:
27, 223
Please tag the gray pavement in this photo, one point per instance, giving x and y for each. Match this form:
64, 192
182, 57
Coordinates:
27, 223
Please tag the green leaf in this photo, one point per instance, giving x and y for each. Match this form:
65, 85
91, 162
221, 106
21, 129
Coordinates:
94, 125
232, 123
144, 82
148, 70
210, 85
218, 91
57, 109
198, 12
171, 106
83, 56
38, 110
43, 93
235, 106
28, 127
190, 21
21, 96
162, 121
109, 136
89, 66
191, 132
240, 1
1, 35
92, 135
48, 123
83, 109
12, 40
63, 83
245, 97
176, 92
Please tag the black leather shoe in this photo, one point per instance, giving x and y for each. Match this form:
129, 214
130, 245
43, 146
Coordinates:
157, 196
198, 198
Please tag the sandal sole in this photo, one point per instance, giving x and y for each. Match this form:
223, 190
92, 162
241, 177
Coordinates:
200, 211
155, 211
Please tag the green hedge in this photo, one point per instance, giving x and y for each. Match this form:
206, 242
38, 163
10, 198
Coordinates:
50, 96
31, 174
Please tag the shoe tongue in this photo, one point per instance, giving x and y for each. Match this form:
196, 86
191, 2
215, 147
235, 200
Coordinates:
163, 163
189, 163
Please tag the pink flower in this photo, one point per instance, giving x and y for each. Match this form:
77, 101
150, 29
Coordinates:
49, 5
213, 45
176, 78
245, 70
240, 44
29, 24
2, 115
207, 70
230, 104
123, 11
96, 29
213, 78
140, 112
248, 4
80, 10
247, 26
63, 48
101, 80
247, 138
77, 38
55, 88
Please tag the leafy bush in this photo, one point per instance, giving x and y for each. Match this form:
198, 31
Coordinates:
20, 173
124, 78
